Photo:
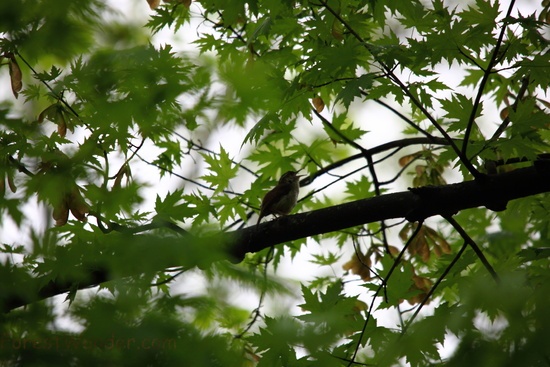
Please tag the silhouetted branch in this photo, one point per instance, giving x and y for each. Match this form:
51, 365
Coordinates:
188, 250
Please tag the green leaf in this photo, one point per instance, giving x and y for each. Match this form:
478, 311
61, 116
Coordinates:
258, 130
359, 189
326, 260
222, 170
354, 88
345, 127
262, 29
172, 207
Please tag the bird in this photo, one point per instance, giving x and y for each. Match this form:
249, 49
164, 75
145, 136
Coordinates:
283, 197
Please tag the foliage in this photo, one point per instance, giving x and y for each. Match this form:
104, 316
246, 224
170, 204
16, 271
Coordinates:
133, 147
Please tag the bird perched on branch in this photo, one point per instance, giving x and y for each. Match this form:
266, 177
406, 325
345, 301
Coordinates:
283, 197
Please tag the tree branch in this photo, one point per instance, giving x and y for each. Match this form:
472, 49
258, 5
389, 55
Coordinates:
383, 285
434, 287
400, 143
474, 247
188, 250
486, 74
368, 156
463, 159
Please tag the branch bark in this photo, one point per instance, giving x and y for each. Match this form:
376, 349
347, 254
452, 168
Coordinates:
493, 192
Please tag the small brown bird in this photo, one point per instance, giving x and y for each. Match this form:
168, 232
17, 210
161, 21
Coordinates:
283, 197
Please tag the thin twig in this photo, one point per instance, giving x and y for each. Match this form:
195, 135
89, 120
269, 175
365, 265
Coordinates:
484, 79
134, 153
383, 285
59, 98
502, 127
20, 166
474, 247
184, 178
358, 254
470, 58
401, 143
400, 171
368, 156
403, 117
506, 121
169, 279
256, 311
408, 93
200, 147
340, 178
434, 287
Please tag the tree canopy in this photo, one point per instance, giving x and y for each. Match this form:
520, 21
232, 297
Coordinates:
135, 156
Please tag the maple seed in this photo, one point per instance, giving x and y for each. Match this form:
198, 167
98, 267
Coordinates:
57, 114
153, 4
74, 202
504, 113
123, 171
61, 213
318, 103
48, 112
337, 30
360, 265
61, 123
403, 161
11, 184
15, 76
77, 205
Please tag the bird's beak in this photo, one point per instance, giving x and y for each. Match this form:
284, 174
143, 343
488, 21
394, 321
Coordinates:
299, 176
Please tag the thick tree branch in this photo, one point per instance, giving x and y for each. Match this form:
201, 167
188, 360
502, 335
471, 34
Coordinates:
414, 205
187, 250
